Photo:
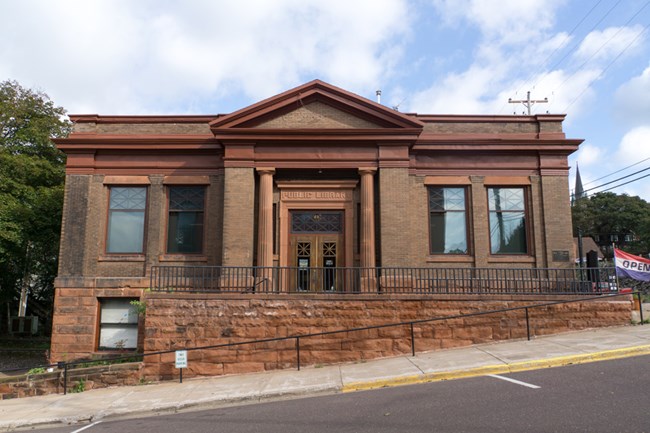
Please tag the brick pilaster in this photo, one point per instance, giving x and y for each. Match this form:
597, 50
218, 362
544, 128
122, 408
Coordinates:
238, 216
394, 216
557, 219
73, 229
480, 222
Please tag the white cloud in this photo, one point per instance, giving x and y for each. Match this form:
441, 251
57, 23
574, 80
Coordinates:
504, 68
486, 86
569, 93
459, 93
590, 157
635, 147
632, 100
509, 21
146, 56
596, 162
608, 43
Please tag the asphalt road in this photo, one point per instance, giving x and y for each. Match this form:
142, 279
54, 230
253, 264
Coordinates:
610, 396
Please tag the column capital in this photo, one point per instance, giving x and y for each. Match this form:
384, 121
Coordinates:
367, 170
265, 170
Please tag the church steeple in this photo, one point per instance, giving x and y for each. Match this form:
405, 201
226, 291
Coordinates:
578, 191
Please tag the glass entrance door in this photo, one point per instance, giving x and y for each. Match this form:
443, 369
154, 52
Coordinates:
316, 245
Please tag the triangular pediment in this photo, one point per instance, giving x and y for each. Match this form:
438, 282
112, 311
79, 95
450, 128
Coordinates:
316, 105
315, 114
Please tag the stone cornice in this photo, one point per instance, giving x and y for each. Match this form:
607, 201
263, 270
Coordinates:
135, 119
315, 135
461, 142
136, 142
489, 118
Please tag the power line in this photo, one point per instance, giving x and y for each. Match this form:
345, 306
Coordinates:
617, 186
608, 66
579, 68
571, 33
530, 76
616, 180
617, 171
572, 50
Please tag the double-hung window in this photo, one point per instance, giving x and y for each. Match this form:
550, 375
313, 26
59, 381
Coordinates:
447, 220
185, 223
118, 324
507, 207
126, 219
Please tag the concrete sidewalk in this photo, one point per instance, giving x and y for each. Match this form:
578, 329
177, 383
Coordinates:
493, 358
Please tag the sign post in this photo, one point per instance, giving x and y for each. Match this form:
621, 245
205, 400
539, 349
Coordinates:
181, 362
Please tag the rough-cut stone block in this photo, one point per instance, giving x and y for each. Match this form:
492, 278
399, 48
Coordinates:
243, 367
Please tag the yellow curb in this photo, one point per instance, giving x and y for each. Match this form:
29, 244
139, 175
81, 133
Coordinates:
500, 369
580, 359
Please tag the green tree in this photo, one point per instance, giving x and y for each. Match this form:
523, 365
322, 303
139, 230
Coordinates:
32, 174
607, 213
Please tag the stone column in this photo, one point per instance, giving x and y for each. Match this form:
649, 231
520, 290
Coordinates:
367, 234
265, 220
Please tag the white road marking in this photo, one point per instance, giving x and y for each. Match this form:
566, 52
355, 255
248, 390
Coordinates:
84, 428
518, 382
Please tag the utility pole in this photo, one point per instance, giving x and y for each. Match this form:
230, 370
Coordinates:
528, 102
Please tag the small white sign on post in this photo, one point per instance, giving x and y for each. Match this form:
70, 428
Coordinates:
181, 359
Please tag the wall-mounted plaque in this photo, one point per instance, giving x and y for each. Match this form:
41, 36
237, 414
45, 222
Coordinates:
560, 256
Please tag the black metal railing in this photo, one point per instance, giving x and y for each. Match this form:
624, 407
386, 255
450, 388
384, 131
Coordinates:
386, 280
64, 366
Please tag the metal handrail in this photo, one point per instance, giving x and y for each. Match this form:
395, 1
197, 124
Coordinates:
382, 280
526, 308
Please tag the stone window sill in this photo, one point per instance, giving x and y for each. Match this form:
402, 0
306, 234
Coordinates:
442, 258
121, 258
182, 258
511, 259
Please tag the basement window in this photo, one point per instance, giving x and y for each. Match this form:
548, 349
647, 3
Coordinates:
118, 324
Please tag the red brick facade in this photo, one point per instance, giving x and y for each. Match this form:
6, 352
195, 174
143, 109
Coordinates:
315, 141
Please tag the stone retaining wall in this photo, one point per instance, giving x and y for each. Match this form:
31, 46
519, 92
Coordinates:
176, 321
79, 379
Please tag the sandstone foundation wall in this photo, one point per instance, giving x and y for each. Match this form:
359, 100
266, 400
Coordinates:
79, 379
175, 321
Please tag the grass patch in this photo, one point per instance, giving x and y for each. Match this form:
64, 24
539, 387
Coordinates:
79, 387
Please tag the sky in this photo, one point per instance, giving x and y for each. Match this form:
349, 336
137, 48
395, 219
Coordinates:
590, 58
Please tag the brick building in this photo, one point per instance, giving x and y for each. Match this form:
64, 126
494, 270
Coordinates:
316, 177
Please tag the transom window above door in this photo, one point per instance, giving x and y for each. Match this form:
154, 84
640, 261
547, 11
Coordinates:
317, 222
